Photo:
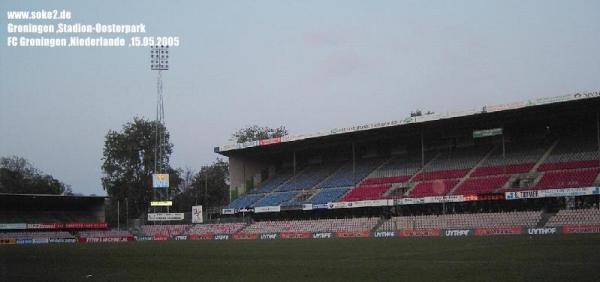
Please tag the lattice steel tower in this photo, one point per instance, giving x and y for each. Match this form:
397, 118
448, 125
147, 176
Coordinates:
159, 61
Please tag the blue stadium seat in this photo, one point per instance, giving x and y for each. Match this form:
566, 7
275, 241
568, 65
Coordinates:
270, 184
346, 176
275, 199
325, 196
244, 201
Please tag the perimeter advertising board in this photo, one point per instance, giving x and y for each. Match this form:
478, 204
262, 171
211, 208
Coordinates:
323, 235
294, 235
206, 236
269, 236
352, 234
420, 232
581, 229
245, 236
8, 241
86, 225
106, 239
13, 226
498, 231
62, 240
550, 193
543, 230
458, 232
384, 234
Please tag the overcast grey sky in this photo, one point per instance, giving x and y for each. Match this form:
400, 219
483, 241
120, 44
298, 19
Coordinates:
308, 65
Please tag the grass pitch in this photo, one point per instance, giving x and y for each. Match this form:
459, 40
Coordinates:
511, 258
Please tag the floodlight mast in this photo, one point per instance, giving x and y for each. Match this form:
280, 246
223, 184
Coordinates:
159, 56
159, 61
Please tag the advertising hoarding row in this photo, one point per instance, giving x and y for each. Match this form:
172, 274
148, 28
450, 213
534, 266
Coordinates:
415, 232
408, 232
19, 241
565, 192
70, 225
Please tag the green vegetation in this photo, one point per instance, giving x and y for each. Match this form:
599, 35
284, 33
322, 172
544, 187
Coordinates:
128, 163
255, 132
512, 258
19, 176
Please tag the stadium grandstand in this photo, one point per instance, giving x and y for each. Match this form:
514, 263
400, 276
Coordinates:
518, 164
37, 219
528, 167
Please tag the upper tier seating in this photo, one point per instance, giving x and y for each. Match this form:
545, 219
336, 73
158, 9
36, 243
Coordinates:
518, 158
308, 177
165, 230
275, 199
366, 192
503, 169
346, 176
273, 182
318, 196
458, 158
386, 180
568, 178
561, 165
481, 185
218, 228
319, 225
403, 165
244, 201
579, 216
441, 174
432, 188
454, 164
399, 169
572, 152
463, 220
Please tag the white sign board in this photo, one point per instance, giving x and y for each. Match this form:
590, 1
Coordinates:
228, 211
161, 203
197, 214
164, 216
547, 193
267, 209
